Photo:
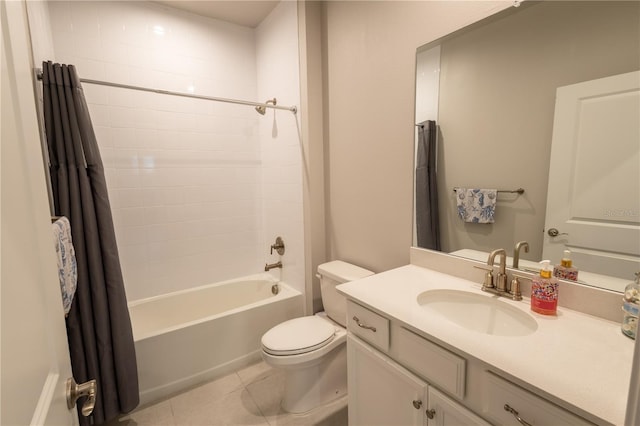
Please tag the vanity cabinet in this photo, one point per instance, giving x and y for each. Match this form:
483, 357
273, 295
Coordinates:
397, 377
382, 392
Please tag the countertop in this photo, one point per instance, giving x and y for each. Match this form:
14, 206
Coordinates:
582, 360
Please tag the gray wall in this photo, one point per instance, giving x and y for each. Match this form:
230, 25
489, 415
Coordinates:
369, 82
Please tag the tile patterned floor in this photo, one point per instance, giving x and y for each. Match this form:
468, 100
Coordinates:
250, 396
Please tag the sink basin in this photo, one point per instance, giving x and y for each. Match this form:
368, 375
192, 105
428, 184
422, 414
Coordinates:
477, 312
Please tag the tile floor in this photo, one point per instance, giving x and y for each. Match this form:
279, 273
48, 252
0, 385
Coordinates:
250, 396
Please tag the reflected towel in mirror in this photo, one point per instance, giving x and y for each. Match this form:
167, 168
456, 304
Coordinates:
66, 258
476, 205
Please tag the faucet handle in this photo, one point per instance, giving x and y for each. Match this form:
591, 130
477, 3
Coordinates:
488, 277
515, 291
278, 246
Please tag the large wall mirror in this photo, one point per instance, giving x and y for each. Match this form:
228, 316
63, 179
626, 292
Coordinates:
495, 90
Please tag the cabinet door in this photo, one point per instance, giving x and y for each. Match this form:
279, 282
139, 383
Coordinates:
380, 391
443, 411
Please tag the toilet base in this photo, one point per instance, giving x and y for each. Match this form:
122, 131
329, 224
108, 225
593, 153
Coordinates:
316, 384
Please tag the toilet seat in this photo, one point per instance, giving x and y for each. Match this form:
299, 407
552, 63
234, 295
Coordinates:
298, 336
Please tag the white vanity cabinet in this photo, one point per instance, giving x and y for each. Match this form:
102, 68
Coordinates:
397, 377
380, 391
384, 392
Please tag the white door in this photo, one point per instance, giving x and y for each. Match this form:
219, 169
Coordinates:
380, 391
594, 179
35, 357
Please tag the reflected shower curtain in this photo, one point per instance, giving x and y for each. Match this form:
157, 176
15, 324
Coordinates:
427, 217
98, 326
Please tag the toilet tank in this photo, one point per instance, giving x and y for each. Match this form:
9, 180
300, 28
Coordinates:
332, 274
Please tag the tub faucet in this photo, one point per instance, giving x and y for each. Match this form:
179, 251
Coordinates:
516, 252
270, 266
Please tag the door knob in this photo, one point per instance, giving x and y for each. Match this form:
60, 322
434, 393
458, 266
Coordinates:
553, 232
76, 391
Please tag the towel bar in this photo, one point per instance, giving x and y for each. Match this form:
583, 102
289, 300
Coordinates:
509, 191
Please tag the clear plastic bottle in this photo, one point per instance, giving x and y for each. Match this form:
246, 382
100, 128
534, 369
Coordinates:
544, 291
630, 308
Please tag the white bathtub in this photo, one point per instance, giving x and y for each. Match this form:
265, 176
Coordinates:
191, 336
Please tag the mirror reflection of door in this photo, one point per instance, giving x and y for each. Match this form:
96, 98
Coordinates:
594, 177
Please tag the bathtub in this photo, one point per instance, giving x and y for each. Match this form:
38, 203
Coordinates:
191, 336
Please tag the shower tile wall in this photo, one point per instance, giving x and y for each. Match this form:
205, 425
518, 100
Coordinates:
184, 175
277, 65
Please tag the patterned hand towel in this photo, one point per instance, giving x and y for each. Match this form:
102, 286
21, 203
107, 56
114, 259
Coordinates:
476, 205
66, 256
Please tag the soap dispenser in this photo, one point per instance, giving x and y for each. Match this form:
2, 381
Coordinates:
544, 291
565, 270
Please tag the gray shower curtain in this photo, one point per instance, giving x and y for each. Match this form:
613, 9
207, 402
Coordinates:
427, 217
98, 326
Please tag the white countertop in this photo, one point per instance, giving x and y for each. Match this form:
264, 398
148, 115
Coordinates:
580, 359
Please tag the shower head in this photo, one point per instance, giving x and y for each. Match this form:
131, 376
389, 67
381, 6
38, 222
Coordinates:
261, 109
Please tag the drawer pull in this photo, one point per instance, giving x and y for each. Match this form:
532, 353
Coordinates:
515, 414
368, 327
431, 413
417, 404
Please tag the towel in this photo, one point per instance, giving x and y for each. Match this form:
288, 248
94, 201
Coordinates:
476, 205
66, 256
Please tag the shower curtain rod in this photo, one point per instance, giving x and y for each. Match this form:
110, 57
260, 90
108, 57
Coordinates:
293, 109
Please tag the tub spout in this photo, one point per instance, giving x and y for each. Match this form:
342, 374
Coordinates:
270, 266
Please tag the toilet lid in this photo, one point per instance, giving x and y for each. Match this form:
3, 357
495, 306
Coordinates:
298, 336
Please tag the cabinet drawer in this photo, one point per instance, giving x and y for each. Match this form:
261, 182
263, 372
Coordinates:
530, 407
368, 325
437, 365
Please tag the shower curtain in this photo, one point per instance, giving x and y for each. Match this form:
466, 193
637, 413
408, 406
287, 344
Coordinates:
98, 325
427, 217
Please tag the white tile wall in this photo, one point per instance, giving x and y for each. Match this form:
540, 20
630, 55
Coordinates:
278, 64
192, 185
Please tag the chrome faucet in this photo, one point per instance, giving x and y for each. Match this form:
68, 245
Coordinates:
270, 266
516, 252
501, 279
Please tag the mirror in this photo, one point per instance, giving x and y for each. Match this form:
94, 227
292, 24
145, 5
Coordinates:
491, 88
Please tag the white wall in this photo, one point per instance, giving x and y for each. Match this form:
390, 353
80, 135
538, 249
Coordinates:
278, 76
370, 98
184, 175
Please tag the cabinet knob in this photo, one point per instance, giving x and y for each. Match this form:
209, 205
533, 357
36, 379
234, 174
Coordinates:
417, 404
431, 413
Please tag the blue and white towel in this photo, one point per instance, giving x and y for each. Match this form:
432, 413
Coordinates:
476, 205
66, 256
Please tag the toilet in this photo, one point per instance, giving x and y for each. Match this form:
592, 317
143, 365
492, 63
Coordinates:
312, 350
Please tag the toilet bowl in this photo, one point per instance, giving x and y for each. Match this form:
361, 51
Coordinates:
311, 351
